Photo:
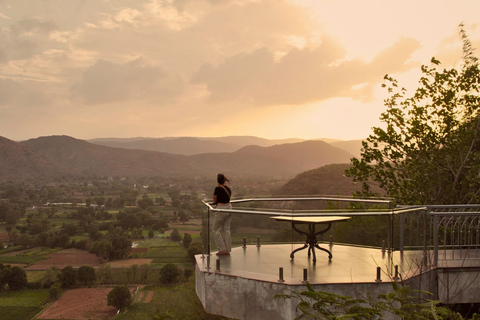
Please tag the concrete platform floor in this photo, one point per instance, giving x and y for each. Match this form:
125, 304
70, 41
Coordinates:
348, 265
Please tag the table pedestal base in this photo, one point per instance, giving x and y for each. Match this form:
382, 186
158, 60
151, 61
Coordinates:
311, 241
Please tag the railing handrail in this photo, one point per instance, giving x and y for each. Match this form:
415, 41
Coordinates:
292, 212
435, 212
313, 198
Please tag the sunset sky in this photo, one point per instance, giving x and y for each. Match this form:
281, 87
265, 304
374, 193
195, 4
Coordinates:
208, 68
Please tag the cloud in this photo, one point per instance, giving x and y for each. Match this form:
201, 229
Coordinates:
15, 94
302, 75
23, 39
32, 25
107, 82
199, 56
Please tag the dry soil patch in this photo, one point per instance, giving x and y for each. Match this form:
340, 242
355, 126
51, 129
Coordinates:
68, 257
81, 304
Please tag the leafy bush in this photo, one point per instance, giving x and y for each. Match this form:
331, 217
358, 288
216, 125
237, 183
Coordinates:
120, 297
403, 302
169, 273
175, 235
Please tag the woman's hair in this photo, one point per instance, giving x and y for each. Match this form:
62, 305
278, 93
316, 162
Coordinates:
221, 178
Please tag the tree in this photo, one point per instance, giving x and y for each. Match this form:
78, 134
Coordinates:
145, 202
103, 248
121, 247
68, 277
429, 150
169, 273
25, 240
160, 201
175, 235
194, 249
119, 297
187, 239
86, 275
50, 277
93, 230
17, 278
183, 217
54, 292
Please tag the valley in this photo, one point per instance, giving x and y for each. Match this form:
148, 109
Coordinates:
130, 214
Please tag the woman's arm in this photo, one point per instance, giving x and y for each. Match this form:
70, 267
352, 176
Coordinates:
214, 199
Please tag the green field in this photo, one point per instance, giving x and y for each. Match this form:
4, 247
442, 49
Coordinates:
22, 304
169, 302
35, 275
166, 252
29, 256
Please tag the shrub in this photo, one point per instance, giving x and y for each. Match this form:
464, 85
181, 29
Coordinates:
169, 273
55, 292
187, 240
194, 249
120, 297
175, 235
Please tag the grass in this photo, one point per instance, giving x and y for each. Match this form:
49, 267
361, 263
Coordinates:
22, 304
163, 251
58, 221
178, 302
155, 242
35, 275
174, 253
29, 256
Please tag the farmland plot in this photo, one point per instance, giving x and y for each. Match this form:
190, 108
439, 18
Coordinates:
22, 304
81, 304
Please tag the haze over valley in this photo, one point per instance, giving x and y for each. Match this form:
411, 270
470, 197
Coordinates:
53, 157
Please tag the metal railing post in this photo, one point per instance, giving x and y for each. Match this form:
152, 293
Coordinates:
379, 275
280, 275
402, 233
305, 276
435, 240
208, 232
425, 238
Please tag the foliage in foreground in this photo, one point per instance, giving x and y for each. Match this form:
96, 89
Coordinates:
402, 302
429, 150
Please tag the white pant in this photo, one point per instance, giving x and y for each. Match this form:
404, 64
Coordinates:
221, 228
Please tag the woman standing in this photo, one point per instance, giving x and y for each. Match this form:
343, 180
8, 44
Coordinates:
221, 225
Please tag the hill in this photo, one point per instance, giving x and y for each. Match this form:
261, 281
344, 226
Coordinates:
51, 155
326, 180
19, 162
87, 158
56, 156
189, 145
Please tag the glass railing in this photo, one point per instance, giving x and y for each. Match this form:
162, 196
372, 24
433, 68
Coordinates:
437, 232
265, 221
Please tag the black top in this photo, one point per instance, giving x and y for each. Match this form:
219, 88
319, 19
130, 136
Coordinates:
222, 195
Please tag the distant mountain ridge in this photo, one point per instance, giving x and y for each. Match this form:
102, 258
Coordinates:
190, 145
197, 145
56, 156
19, 162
